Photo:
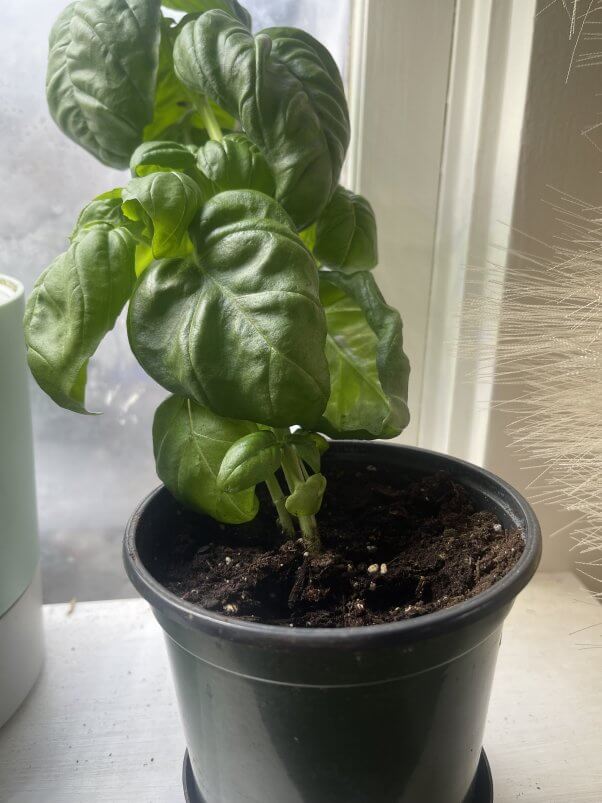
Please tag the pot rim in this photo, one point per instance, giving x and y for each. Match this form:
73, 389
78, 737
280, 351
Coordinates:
428, 625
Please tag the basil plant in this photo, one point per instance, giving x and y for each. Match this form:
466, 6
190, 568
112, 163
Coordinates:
244, 264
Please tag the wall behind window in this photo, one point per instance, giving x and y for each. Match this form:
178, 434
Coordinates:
555, 154
91, 472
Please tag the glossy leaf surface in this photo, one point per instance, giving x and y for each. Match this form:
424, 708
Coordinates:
73, 305
346, 233
237, 326
251, 460
163, 156
171, 101
174, 114
235, 163
103, 212
287, 92
102, 70
189, 444
369, 371
165, 204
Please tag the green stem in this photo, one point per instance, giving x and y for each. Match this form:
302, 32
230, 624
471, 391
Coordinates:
304, 471
278, 497
293, 472
207, 115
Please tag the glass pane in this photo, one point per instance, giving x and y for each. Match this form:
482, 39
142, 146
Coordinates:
327, 21
91, 471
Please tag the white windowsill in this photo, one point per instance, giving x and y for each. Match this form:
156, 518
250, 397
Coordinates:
102, 723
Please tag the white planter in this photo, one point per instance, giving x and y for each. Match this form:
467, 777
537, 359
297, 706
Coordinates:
21, 637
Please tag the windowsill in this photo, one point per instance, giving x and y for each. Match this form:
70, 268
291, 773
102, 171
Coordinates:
102, 721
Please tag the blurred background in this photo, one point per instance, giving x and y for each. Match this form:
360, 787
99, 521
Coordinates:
464, 114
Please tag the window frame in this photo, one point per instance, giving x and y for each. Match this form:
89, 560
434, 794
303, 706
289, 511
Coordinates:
443, 191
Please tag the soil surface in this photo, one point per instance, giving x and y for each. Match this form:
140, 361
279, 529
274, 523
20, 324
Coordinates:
393, 549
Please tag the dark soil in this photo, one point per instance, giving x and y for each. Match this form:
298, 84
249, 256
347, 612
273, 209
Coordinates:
393, 550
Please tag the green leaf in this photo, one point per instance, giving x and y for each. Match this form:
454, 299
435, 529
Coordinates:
235, 163
190, 129
200, 6
174, 116
104, 211
73, 305
286, 90
168, 157
238, 326
165, 203
102, 70
368, 368
163, 156
306, 499
307, 448
346, 233
189, 444
144, 257
309, 236
171, 99
252, 459
322, 444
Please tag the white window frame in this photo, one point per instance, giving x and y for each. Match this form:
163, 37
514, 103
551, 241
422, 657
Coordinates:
443, 190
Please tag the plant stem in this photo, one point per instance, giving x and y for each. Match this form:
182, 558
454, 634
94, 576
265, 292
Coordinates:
208, 117
278, 497
311, 536
293, 472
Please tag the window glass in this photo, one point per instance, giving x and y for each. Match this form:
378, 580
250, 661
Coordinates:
91, 471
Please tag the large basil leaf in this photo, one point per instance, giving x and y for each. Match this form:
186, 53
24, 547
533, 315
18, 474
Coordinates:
74, 303
287, 92
102, 70
189, 443
235, 163
200, 6
368, 368
165, 203
238, 326
345, 235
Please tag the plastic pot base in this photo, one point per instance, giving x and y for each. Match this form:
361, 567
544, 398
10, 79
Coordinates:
482, 790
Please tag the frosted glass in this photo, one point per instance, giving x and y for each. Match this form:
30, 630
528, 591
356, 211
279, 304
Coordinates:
91, 471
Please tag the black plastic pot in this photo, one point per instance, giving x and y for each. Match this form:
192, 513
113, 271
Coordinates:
384, 714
